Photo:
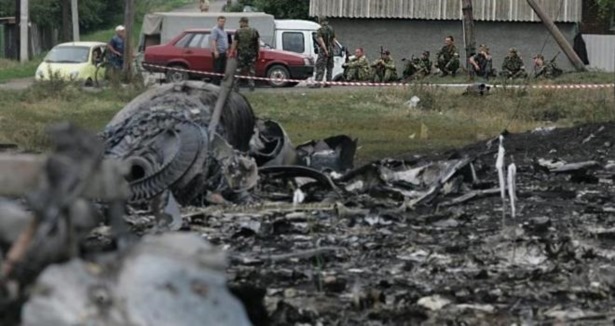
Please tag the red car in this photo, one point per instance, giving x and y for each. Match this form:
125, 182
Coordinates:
191, 50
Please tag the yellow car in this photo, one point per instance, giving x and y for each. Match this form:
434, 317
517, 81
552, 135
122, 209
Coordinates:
74, 61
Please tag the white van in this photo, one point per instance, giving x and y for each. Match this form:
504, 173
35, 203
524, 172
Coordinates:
300, 36
291, 35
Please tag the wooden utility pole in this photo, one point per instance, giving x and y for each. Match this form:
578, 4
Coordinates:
129, 15
23, 30
75, 13
558, 36
65, 20
469, 39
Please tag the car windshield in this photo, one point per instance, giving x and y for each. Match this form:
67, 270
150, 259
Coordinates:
68, 54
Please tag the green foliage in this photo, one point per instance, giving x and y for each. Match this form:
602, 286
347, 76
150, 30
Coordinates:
93, 14
281, 9
606, 8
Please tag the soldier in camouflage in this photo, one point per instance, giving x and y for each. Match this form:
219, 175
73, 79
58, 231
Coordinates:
513, 66
482, 63
417, 67
326, 42
547, 70
448, 57
246, 48
357, 68
383, 69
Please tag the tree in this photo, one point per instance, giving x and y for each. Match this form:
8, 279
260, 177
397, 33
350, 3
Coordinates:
606, 7
281, 9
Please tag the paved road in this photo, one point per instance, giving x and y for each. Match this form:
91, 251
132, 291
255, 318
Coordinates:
17, 84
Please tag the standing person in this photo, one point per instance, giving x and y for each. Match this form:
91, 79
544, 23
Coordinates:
204, 5
448, 57
482, 62
219, 43
246, 48
116, 48
513, 66
326, 42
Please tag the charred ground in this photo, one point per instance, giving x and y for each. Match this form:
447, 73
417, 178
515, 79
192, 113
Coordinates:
438, 264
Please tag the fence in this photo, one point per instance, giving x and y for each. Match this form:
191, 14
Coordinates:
600, 51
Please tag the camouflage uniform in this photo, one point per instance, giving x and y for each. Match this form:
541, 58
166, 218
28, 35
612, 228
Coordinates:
448, 60
384, 71
357, 69
417, 67
325, 62
513, 66
248, 48
485, 64
548, 70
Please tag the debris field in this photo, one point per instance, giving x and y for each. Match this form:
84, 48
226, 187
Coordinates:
300, 235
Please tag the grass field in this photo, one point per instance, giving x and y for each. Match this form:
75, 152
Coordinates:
379, 118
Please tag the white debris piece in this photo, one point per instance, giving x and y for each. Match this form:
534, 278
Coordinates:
434, 302
512, 187
298, 196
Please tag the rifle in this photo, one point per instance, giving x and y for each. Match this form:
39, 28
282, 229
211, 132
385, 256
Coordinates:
555, 57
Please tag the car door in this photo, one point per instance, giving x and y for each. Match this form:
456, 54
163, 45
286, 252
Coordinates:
96, 58
198, 52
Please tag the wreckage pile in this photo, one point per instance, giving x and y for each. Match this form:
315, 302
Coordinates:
308, 238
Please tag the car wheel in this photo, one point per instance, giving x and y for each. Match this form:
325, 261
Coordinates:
278, 72
176, 76
338, 78
88, 82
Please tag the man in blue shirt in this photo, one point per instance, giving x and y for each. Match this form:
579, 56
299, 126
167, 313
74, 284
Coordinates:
219, 46
116, 48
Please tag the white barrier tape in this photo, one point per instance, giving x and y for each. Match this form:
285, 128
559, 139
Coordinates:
369, 84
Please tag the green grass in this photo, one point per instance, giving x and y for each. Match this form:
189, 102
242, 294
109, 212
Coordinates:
11, 69
385, 125
592, 77
379, 118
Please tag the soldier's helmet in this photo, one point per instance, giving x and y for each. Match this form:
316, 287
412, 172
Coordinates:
386, 52
426, 53
244, 20
513, 50
323, 20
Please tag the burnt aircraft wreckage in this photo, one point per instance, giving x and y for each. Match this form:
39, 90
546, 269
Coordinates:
308, 238
176, 152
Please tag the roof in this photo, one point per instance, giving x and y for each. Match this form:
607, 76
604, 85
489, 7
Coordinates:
86, 44
291, 24
7, 20
483, 10
206, 30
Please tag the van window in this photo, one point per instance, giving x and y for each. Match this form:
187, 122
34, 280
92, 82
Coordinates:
337, 50
293, 41
183, 42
